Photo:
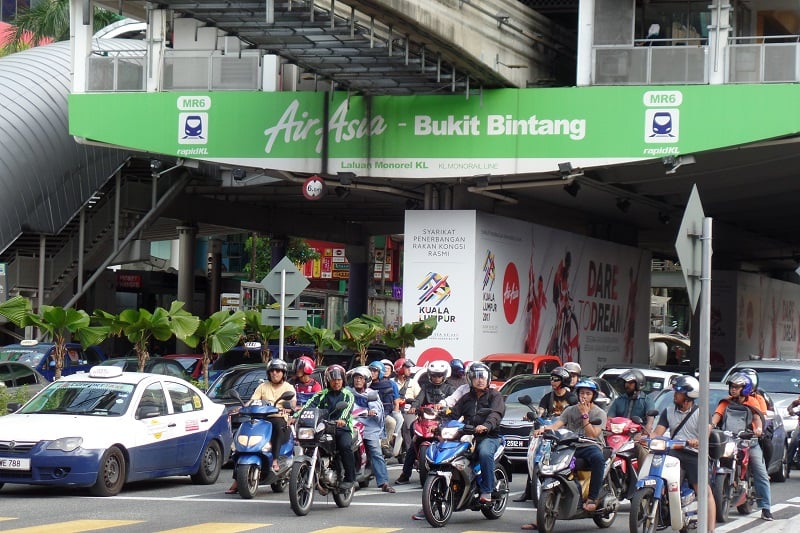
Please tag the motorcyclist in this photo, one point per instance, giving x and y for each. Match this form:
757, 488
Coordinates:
795, 442
409, 389
457, 374
327, 398
270, 391
635, 402
553, 404
740, 388
758, 394
574, 370
480, 396
434, 391
303, 383
373, 425
686, 389
577, 418
390, 397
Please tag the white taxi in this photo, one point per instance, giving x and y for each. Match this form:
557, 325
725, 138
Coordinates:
109, 427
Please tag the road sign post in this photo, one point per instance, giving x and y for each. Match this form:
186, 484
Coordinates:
285, 283
694, 253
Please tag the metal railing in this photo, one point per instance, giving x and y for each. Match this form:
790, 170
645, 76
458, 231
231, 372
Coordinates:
763, 59
651, 62
116, 70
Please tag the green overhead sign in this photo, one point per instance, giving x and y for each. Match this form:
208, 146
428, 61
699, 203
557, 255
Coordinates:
506, 131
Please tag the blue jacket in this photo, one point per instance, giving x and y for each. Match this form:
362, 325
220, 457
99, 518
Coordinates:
374, 426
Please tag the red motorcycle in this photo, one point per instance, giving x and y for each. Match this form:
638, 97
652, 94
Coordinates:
424, 428
619, 436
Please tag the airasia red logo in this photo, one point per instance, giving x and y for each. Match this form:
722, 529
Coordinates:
511, 293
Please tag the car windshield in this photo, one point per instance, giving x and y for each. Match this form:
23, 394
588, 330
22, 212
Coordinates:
503, 370
244, 383
28, 356
779, 380
82, 398
535, 389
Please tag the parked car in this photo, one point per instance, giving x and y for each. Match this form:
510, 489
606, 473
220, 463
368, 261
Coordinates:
192, 363
780, 378
18, 377
38, 355
154, 365
778, 467
515, 427
108, 427
655, 380
507, 365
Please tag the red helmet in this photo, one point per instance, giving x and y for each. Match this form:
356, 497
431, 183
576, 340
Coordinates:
402, 362
304, 363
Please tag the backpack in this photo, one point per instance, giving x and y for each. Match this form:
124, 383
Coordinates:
737, 418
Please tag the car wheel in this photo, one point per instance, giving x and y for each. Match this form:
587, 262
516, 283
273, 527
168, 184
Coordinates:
110, 474
783, 471
210, 465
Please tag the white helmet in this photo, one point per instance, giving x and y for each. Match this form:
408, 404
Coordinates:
362, 371
438, 369
572, 367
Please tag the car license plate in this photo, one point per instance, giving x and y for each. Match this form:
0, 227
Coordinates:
516, 443
8, 463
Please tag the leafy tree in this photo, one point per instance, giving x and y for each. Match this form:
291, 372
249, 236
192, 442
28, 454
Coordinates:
142, 325
254, 330
48, 19
298, 251
322, 339
55, 323
406, 335
360, 332
217, 334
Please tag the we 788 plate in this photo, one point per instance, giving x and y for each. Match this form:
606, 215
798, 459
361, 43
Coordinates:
13, 463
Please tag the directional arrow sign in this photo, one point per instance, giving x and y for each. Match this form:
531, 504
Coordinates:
689, 246
295, 281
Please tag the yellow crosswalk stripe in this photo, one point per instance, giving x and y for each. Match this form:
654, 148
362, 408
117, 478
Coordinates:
353, 529
217, 527
4, 518
74, 526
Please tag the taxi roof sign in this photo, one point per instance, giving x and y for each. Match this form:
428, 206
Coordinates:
105, 371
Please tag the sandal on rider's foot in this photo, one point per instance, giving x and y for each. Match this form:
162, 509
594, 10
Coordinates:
590, 506
387, 488
231, 491
530, 527
275, 466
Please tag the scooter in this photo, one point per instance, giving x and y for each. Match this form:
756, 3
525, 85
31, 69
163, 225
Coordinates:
732, 484
364, 471
425, 428
565, 478
253, 455
453, 478
535, 448
663, 499
619, 436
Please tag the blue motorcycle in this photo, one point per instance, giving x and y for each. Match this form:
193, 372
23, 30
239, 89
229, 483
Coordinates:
452, 482
253, 454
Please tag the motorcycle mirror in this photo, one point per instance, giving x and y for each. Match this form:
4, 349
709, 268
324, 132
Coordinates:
287, 405
596, 421
637, 420
652, 412
372, 395
288, 395
530, 416
525, 400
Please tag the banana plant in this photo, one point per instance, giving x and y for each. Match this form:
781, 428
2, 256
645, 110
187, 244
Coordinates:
217, 334
360, 332
255, 330
142, 325
406, 335
322, 339
56, 323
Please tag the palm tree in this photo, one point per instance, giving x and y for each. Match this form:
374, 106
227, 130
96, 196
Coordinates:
360, 332
321, 338
406, 335
217, 334
48, 20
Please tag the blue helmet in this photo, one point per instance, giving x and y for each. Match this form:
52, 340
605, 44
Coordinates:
741, 379
587, 384
457, 368
377, 365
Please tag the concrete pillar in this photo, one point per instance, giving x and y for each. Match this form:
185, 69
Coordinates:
357, 283
214, 274
584, 66
187, 235
80, 41
718, 40
155, 41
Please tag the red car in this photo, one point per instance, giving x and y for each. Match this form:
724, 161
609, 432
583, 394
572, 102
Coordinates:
507, 365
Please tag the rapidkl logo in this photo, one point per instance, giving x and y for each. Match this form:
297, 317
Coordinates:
192, 128
433, 289
511, 293
488, 271
661, 126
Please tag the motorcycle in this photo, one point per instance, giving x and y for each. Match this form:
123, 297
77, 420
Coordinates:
253, 455
732, 484
794, 444
564, 480
453, 478
535, 449
425, 428
619, 436
319, 467
363, 465
662, 498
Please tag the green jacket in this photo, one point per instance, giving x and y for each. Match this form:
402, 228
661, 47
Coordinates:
327, 399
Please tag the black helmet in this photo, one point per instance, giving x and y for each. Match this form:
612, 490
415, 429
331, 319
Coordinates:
562, 375
278, 364
636, 375
478, 370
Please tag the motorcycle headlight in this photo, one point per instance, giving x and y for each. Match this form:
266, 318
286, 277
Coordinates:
562, 463
305, 433
66, 444
449, 433
267, 447
730, 449
248, 441
617, 428
658, 445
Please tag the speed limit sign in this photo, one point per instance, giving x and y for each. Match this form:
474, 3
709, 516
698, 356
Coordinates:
314, 187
